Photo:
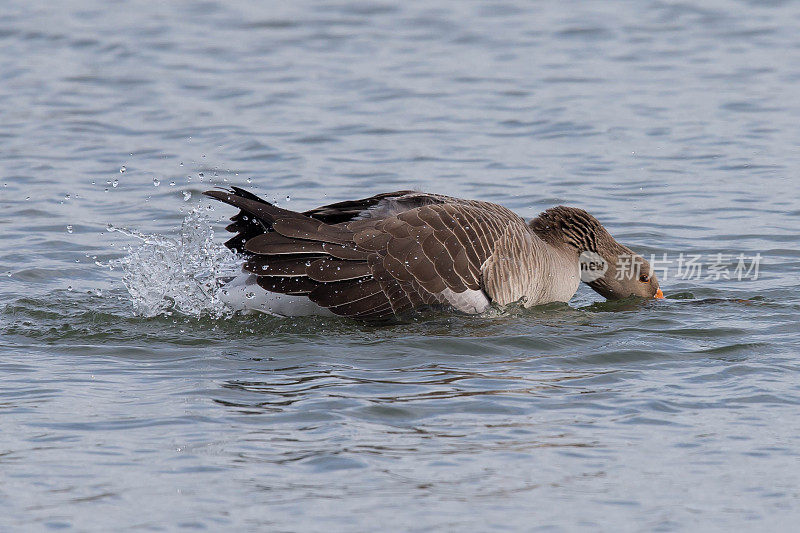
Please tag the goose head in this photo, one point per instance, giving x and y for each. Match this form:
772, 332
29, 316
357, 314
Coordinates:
610, 268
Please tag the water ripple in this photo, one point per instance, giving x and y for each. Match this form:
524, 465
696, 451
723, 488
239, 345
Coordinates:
672, 122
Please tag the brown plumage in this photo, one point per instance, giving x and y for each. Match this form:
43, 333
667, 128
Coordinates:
383, 256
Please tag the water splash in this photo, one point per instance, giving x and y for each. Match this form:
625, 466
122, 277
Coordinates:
185, 274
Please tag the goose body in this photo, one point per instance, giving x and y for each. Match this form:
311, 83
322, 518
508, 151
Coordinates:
387, 255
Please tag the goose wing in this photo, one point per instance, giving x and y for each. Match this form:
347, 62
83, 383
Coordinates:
413, 250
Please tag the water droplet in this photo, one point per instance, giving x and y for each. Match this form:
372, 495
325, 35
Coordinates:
249, 180
171, 183
288, 198
181, 163
200, 174
156, 182
250, 295
69, 228
115, 183
186, 196
69, 287
122, 169
66, 197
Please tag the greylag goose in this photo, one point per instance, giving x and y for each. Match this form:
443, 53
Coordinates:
385, 256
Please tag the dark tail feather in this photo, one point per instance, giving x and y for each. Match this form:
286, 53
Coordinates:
247, 194
254, 218
253, 205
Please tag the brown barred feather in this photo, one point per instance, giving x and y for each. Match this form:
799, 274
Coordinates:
372, 239
273, 243
297, 285
342, 292
457, 228
378, 315
264, 265
357, 226
362, 306
345, 251
327, 270
310, 229
401, 295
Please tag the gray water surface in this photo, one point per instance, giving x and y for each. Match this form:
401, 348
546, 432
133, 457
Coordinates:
676, 124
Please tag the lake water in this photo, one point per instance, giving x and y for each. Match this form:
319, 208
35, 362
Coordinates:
676, 125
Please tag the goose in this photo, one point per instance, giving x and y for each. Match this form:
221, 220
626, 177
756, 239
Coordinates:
386, 256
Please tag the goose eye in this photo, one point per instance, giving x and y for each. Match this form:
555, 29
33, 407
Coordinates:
644, 278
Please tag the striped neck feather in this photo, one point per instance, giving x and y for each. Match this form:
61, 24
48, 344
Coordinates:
570, 226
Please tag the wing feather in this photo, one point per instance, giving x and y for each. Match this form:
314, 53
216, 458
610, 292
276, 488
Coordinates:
263, 265
310, 229
327, 270
342, 292
285, 285
273, 243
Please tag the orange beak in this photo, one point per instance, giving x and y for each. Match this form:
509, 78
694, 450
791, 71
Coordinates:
659, 295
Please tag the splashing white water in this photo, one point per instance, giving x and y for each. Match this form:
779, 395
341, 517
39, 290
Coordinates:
184, 274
